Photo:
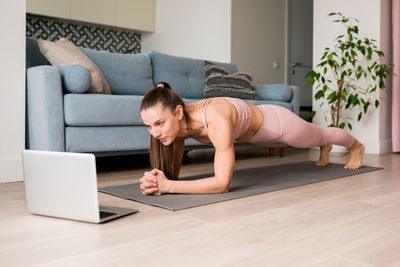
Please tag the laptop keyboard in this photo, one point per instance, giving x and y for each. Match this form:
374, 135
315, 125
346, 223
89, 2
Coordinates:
104, 214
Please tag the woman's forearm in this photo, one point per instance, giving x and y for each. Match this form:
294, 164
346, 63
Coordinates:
210, 185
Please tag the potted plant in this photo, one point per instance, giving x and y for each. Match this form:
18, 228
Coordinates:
348, 75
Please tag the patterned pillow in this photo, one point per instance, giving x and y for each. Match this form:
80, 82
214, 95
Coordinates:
220, 82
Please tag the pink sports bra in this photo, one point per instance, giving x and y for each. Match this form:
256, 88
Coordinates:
243, 115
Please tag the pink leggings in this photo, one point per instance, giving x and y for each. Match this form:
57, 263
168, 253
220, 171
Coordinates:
282, 127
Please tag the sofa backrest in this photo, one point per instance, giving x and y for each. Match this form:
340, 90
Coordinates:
127, 74
135, 74
185, 75
33, 55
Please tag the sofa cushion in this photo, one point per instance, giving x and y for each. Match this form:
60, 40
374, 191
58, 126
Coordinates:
274, 92
127, 74
185, 75
111, 138
270, 102
75, 78
64, 52
103, 139
104, 110
221, 83
101, 110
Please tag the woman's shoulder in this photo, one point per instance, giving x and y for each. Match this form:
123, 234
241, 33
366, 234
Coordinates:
218, 110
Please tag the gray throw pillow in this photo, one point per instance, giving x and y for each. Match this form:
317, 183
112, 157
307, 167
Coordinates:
221, 83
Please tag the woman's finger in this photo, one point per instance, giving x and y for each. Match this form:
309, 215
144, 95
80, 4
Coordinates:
149, 179
148, 185
150, 173
151, 190
149, 176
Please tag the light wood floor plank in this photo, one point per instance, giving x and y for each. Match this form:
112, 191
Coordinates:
353, 221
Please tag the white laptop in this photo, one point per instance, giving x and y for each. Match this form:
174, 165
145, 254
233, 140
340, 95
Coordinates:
63, 184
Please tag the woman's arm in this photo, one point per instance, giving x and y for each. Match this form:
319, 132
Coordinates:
220, 129
149, 183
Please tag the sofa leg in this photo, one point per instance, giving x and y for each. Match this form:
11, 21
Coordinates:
271, 152
185, 156
281, 150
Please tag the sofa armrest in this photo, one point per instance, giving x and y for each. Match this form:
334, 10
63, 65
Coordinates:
280, 92
295, 101
274, 92
45, 109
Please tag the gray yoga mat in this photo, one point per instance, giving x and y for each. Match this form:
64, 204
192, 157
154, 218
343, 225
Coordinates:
247, 182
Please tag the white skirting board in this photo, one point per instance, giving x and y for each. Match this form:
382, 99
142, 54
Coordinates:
11, 170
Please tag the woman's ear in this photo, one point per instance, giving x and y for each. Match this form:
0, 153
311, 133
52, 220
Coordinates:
179, 111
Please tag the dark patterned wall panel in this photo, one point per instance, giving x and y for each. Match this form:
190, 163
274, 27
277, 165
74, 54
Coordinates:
84, 35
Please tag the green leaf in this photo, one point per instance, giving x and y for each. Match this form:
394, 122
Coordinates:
344, 73
381, 84
362, 50
355, 101
350, 127
353, 53
323, 79
366, 107
349, 101
376, 103
324, 55
310, 81
319, 94
342, 125
344, 61
312, 115
359, 116
369, 51
332, 97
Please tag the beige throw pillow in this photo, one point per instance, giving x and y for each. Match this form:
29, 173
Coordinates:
64, 52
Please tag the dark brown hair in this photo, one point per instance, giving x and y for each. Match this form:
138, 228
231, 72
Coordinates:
162, 157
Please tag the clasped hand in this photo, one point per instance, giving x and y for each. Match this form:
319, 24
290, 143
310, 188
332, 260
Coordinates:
153, 182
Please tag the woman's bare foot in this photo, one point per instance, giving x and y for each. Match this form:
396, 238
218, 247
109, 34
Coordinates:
356, 155
324, 155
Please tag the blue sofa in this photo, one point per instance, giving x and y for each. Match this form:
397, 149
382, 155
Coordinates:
111, 124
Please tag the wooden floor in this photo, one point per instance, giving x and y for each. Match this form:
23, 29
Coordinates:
353, 221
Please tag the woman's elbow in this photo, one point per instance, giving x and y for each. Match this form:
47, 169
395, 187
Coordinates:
223, 188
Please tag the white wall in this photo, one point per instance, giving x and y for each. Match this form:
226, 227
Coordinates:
191, 28
258, 38
372, 129
12, 89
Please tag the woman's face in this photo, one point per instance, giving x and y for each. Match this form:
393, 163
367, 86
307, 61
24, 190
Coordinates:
162, 123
